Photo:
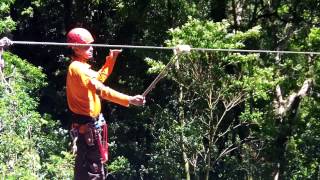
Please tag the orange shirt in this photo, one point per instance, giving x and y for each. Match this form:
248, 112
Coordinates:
82, 96
106, 69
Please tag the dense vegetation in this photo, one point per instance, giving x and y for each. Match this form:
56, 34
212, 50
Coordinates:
216, 115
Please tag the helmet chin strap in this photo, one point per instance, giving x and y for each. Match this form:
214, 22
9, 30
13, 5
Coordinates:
79, 58
91, 60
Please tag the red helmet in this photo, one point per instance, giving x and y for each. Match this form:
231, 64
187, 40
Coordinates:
79, 35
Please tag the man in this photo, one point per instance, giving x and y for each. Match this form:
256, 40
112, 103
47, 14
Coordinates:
84, 89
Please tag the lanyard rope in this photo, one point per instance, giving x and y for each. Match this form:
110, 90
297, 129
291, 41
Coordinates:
160, 75
164, 48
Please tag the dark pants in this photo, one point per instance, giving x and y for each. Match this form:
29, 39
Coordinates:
88, 164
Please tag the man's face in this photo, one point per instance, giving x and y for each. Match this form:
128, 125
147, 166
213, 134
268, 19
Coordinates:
83, 52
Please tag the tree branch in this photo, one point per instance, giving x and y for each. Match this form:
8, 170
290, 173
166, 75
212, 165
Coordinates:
283, 106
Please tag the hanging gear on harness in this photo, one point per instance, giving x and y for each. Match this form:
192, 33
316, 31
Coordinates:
74, 136
102, 140
95, 132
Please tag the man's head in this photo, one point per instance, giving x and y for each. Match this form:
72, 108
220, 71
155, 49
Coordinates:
81, 36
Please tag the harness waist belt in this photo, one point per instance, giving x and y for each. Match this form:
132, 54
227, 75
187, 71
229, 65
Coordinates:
83, 119
82, 128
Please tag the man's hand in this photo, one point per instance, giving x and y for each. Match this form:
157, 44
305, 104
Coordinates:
114, 53
137, 100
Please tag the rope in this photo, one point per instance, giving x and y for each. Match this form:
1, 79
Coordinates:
160, 75
163, 48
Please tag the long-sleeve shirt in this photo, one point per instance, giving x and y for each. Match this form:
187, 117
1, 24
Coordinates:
106, 69
82, 94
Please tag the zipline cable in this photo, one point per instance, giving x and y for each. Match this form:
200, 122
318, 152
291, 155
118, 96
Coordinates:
257, 51
172, 60
163, 48
93, 45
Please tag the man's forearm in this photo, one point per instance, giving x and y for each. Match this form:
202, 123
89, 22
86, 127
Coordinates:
110, 94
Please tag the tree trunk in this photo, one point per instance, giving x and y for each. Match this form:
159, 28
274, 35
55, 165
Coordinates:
218, 10
286, 110
182, 124
208, 163
211, 138
237, 8
67, 13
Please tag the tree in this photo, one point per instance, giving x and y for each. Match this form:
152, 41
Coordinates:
187, 123
213, 88
28, 139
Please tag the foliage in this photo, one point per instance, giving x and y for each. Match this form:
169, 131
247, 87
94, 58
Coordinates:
59, 166
212, 83
27, 137
119, 167
6, 22
151, 142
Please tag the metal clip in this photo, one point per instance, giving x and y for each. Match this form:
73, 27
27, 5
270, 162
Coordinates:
100, 122
74, 136
74, 133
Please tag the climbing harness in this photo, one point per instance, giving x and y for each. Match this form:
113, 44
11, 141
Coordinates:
94, 130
